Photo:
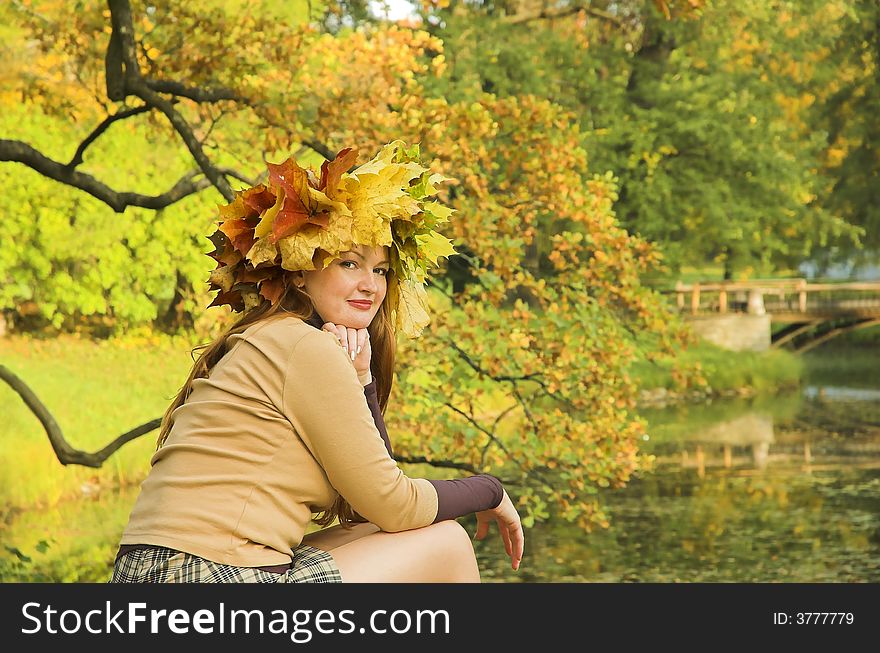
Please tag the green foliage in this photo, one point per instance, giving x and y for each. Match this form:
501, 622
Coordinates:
694, 117
846, 113
72, 258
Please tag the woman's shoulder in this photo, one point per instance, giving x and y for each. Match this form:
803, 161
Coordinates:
277, 323
282, 329
286, 331
297, 345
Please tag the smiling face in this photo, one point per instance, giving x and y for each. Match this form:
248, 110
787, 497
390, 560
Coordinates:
351, 289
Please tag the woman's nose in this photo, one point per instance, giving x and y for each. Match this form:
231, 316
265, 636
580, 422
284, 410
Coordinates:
368, 282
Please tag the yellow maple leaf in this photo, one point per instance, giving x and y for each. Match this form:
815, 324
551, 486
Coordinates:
320, 202
265, 225
374, 205
439, 211
337, 239
298, 249
376, 194
412, 316
433, 245
263, 250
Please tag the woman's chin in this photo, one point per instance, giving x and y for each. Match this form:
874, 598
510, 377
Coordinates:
352, 318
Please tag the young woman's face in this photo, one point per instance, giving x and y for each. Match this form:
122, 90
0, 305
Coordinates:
351, 289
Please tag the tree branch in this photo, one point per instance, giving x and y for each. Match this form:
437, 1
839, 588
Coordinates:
193, 93
526, 377
77, 158
474, 423
321, 149
229, 172
65, 453
135, 84
124, 78
498, 418
442, 463
23, 153
113, 70
189, 139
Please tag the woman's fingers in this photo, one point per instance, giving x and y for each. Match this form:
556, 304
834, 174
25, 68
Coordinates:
351, 336
511, 532
363, 334
340, 333
506, 537
331, 328
517, 545
352, 340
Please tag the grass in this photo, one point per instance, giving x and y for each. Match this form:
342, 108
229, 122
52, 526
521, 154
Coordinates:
96, 390
73, 542
724, 370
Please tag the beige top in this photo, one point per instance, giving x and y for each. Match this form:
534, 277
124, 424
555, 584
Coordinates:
278, 430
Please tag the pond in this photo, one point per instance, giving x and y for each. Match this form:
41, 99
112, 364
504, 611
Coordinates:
778, 489
770, 489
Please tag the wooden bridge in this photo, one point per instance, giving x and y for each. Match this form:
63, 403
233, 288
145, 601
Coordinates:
812, 312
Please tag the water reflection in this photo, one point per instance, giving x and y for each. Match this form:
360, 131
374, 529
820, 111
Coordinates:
752, 431
823, 424
779, 489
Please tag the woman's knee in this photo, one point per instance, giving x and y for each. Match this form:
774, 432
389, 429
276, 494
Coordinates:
452, 539
439, 552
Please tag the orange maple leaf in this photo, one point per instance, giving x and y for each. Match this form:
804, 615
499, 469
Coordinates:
272, 288
259, 198
298, 207
332, 171
240, 232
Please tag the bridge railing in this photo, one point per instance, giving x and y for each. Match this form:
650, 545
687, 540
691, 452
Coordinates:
759, 296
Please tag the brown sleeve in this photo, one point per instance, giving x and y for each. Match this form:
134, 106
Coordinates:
462, 496
372, 395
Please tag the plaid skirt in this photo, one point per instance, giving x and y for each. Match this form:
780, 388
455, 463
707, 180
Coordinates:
160, 565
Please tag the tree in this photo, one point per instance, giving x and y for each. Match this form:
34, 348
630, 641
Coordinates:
846, 101
689, 104
523, 370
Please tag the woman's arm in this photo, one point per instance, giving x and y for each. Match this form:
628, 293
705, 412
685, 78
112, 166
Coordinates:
325, 403
462, 496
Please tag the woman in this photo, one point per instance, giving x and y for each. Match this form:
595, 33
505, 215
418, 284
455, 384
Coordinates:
282, 415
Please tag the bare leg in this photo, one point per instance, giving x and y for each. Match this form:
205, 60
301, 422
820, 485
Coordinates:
439, 553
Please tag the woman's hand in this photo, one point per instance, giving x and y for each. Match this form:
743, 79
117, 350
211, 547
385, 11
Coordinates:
509, 524
356, 343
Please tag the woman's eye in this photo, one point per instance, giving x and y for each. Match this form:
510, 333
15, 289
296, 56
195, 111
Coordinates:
347, 263
383, 271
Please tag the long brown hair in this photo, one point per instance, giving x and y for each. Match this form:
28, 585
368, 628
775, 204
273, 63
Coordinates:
295, 302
